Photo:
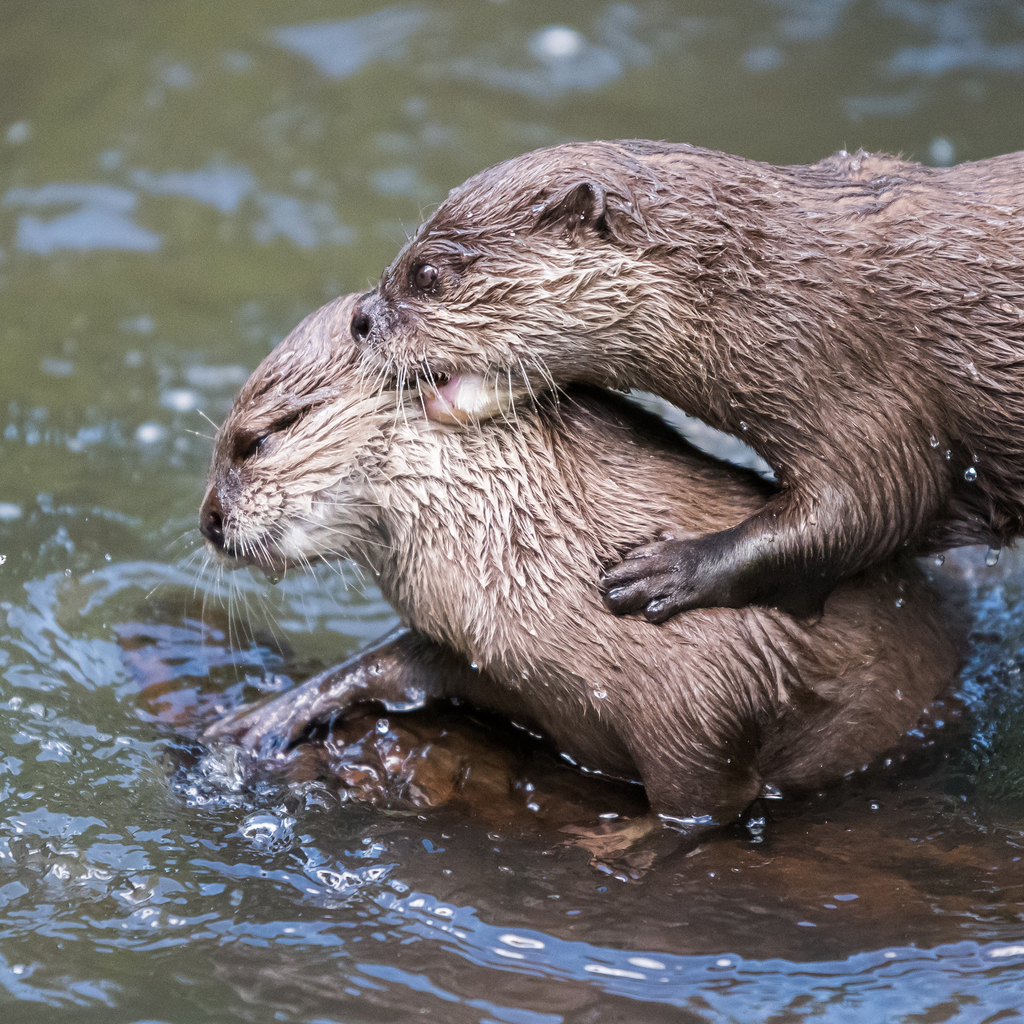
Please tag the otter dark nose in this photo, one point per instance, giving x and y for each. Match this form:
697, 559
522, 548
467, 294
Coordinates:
361, 324
211, 520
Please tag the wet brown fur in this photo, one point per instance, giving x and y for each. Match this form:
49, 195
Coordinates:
489, 542
859, 322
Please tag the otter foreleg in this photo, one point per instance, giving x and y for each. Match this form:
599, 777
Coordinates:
403, 672
792, 553
760, 561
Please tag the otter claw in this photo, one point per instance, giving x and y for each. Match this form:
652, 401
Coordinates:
661, 611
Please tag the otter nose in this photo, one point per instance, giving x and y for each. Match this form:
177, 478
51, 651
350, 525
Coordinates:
211, 520
361, 324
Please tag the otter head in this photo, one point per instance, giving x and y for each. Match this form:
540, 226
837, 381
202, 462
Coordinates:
287, 483
521, 270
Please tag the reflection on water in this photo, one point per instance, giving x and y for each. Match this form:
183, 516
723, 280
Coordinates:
181, 183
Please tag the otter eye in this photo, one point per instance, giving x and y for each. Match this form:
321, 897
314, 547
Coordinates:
247, 445
425, 277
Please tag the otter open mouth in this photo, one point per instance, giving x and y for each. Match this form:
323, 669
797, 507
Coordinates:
464, 398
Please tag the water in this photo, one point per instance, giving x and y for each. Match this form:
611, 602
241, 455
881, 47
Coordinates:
179, 184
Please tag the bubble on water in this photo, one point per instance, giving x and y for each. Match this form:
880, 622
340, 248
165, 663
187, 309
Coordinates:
268, 831
57, 367
763, 58
18, 133
941, 152
521, 942
150, 433
138, 325
647, 962
179, 399
614, 972
992, 556
9, 511
970, 474
556, 41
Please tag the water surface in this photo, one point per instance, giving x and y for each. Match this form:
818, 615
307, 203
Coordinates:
179, 184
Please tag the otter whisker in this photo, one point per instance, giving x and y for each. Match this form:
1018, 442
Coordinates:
205, 437
208, 420
526, 380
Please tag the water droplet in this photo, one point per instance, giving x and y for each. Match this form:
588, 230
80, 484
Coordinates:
899, 695
383, 725
941, 152
900, 602
948, 454
150, 433
107, 557
933, 441
67, 572
600, 694
940, 558
474, 666
992, 556
970, 474
743, 425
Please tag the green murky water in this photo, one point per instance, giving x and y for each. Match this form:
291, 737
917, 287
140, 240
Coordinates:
181, 182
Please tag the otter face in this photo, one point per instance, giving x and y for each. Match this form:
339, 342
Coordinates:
291, 476
509, 281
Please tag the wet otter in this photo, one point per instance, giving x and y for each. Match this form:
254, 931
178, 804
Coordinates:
489, 541
859, 322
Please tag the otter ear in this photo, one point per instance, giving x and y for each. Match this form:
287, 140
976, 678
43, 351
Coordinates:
576, 209
586, 206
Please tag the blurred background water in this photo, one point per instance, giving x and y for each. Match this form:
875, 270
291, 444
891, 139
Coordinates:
179, 184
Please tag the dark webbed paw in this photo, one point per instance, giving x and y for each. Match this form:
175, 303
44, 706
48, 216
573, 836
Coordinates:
663, 579
718, 570
262, 730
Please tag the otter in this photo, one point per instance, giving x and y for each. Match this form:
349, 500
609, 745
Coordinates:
859, 322
489, 539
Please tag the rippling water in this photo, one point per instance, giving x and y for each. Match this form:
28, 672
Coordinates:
179, 184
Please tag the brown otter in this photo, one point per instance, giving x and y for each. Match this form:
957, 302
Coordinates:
489, 541
859, 322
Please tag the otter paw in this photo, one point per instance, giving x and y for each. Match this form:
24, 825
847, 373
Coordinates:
660, 580
264, 731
